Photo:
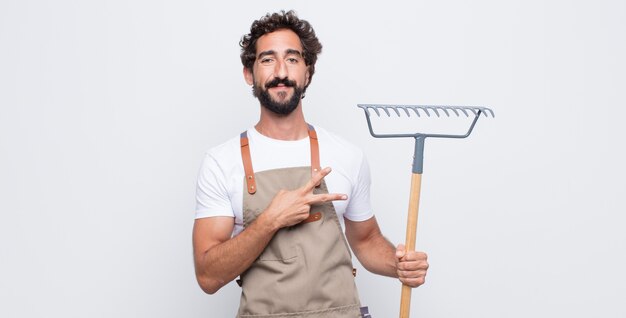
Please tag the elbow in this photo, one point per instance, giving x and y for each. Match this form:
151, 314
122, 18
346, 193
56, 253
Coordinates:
208, 285
210, 290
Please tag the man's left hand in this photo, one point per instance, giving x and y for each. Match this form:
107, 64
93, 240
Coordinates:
411, 266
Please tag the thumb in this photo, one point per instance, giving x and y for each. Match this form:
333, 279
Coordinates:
400, 251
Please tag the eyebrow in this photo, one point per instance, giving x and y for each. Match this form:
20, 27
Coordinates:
272, 52
293, 51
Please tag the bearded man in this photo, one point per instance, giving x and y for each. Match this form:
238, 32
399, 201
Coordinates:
268, 212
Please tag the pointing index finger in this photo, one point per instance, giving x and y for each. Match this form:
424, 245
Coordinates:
327, 197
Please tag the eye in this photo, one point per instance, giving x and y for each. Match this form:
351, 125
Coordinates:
293, 60
266, 60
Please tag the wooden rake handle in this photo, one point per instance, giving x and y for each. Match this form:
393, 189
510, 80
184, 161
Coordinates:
411, 234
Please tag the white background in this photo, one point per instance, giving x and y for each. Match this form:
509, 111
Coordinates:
106, 109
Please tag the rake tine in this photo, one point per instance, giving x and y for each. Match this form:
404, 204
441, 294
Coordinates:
482, 111
386, 111
489, 111
415, 110
434, 108
406, 111
455, 111
445, 110
375, 110
473, 111
425, 110
396, 110
464, 112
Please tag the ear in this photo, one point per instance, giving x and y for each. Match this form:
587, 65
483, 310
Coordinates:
247, 75
307, 77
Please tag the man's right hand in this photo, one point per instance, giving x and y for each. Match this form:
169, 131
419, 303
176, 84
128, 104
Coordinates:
219, 258
292, 207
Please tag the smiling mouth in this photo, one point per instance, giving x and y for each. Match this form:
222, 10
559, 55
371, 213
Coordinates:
281, 87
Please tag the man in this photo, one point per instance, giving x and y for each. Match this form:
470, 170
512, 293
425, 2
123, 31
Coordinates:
268, 212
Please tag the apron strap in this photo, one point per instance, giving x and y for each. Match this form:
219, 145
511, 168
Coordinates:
247, 160
315, 151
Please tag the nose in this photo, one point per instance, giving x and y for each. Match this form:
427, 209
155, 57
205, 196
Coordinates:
280, 69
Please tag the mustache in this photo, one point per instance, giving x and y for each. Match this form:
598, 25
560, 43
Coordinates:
277, 81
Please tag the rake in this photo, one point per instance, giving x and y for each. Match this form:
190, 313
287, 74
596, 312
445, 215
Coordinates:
418, 160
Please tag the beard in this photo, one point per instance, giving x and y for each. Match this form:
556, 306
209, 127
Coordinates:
283, 108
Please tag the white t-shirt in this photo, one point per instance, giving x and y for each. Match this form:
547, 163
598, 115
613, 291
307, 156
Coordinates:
220, 181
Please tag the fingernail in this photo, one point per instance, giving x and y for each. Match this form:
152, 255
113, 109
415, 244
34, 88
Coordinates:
344, 197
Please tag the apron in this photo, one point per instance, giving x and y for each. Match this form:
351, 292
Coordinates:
306, 269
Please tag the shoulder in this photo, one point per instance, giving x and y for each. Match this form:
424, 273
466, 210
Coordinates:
224, 155
225, 147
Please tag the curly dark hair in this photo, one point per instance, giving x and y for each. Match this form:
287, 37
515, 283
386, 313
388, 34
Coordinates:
281, 20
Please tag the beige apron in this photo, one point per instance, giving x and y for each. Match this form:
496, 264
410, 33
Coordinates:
306, 269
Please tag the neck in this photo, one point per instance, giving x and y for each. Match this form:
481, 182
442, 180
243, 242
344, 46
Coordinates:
290, 127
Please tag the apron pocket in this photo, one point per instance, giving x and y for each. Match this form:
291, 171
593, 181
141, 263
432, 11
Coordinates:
282, 247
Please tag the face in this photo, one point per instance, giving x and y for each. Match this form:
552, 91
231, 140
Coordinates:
279, 73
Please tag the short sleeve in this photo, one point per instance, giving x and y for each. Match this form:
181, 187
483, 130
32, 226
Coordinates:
212, 197
360, 208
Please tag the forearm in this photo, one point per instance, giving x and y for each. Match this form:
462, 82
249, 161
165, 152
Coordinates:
223, 262
377, 255
371, 248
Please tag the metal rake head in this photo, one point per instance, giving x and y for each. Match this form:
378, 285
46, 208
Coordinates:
419, 110
427, 110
